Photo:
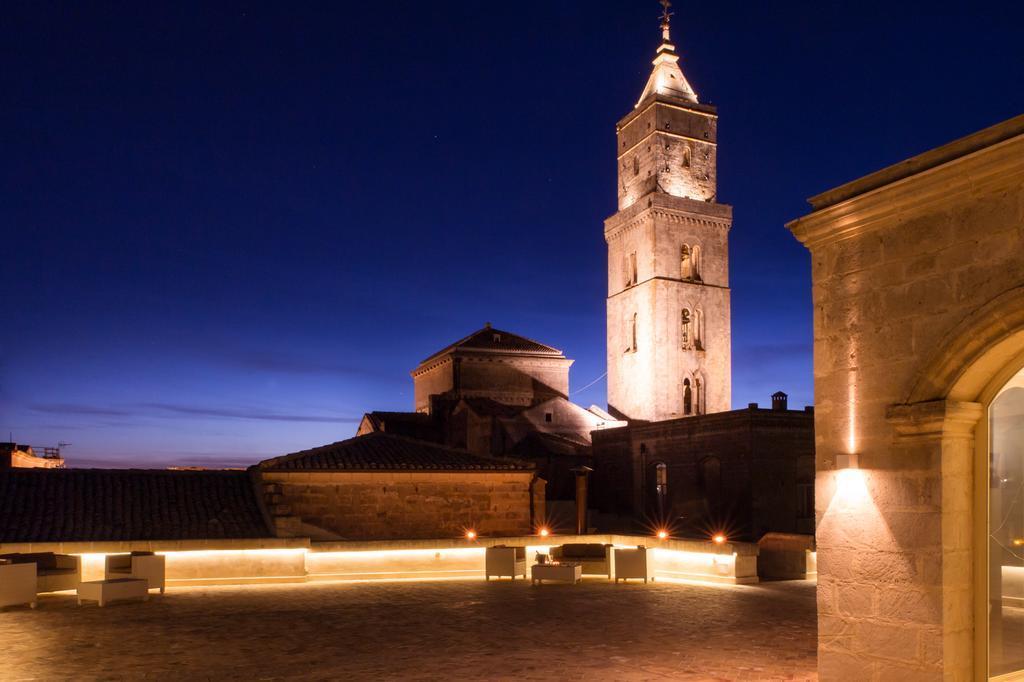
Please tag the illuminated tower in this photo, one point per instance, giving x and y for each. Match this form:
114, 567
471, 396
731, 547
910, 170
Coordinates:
669, 333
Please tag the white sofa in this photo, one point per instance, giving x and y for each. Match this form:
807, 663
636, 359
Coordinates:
634, 563
145, 565
54, 572
501, 561
595, 558
17, 584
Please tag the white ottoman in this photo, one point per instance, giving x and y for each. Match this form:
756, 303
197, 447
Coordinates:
104, 591
564, 572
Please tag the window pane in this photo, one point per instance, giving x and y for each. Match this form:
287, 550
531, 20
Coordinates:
1006, 529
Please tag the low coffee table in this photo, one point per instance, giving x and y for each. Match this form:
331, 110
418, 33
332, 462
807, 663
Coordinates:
567, 572
104, 591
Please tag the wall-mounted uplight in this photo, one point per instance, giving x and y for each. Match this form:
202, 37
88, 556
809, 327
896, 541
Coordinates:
471, 535
719, 538
543, 532
663, 534
852, 486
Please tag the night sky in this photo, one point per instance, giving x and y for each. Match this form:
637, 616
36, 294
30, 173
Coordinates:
230, 230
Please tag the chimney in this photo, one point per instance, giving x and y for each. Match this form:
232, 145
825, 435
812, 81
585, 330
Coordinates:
780, 401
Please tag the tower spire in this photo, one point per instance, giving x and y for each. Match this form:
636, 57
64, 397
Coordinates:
667, 78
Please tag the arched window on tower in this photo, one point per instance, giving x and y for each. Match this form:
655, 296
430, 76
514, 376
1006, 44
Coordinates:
698, 396
636, 165
631, 338
696, 264
686, 156
687, 397
685, 330
698, 329
685, 263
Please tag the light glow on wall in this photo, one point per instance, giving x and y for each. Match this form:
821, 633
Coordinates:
253, 566
851, 437
851, 488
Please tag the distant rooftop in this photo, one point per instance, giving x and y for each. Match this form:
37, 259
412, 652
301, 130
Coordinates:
496, 340
68, 505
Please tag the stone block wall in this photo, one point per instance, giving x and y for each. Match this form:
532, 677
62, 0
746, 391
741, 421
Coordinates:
669, 146
900, 264
764, 457
507, 378
648, 383
400, 505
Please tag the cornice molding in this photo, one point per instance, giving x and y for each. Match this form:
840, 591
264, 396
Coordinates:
970, 176
706, 110
669, 215
667, 133
934, 420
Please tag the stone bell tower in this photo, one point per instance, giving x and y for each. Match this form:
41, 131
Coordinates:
669, 334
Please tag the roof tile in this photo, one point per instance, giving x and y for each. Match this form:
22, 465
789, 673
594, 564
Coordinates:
67, 505
388, 452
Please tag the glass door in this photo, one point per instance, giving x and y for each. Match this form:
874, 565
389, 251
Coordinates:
1006, 532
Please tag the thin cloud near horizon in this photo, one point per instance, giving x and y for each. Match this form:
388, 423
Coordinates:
173, 410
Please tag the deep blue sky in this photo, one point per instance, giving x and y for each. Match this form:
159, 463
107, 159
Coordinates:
229, 229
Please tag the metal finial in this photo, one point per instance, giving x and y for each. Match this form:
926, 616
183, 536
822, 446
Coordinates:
665, 19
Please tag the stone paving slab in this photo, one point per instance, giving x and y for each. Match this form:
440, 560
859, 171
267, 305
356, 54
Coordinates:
423, 631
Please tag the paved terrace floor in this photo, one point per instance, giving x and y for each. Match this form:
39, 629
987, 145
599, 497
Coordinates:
425, 631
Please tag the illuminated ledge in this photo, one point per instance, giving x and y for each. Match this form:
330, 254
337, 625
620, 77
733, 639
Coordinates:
698, 546
242, 562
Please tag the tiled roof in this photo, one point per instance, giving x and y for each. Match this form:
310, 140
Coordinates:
495, 340
387, 452
67, 505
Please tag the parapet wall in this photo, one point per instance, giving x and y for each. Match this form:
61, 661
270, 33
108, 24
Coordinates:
298, 560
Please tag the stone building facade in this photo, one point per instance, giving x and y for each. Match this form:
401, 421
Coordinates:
489, 363
669, 338
743, 473
15, 456
381, 487
918, 287
500, 394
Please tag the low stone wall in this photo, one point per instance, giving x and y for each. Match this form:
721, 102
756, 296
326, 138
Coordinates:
365, 505
194, 562
298, 560
695, 560
786, 556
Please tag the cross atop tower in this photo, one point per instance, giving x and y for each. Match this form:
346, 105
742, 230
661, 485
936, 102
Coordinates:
665, 18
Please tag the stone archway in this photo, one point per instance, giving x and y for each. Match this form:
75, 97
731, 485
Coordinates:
944, 413
984, 344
